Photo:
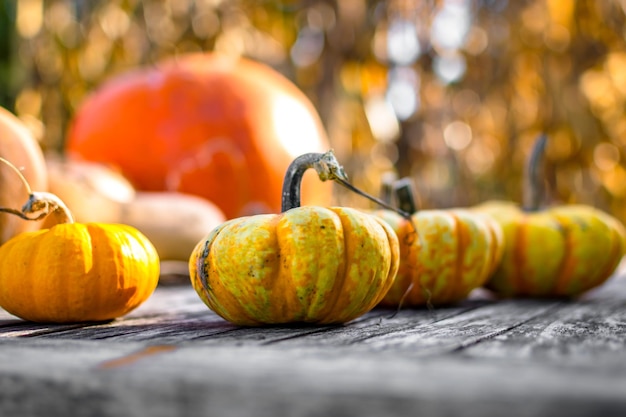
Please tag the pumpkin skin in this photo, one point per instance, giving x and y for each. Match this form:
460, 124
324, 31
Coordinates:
203, 124
444, 255
18, 146
561, 251
308, 264
76, 272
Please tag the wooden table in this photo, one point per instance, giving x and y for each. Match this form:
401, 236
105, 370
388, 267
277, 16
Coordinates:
174, 357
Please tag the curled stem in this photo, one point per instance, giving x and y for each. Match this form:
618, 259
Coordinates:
40, 204
405, 196
327, 168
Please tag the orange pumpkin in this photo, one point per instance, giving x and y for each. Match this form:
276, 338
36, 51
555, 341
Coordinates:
219, 127
444, 253
18, 146
73, 272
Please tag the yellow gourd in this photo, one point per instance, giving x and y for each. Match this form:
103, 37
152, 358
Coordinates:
558, 251
444, 253
307, 264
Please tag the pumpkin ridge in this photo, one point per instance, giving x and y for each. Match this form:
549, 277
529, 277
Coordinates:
617, 252
283, 282
564, 271
201, 264
237, 302
26, 285
152, 269
206, 260
487, 239
394, 264
611, 258
97, 235
59, 239
401, 287
318, 296
495, 245
340, 279
404, 273
616, 255
203, 270
40, 307
419, 293
603, 273
519, 259
374, 284
462, 240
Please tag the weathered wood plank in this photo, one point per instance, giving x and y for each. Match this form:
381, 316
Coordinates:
172, 356
583, 330
52, 377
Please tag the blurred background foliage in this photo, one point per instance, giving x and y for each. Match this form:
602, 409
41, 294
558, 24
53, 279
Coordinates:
450, 92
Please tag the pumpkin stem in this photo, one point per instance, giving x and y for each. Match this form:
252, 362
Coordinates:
39, 203
404, 194
403, 189
327, 168
534, 189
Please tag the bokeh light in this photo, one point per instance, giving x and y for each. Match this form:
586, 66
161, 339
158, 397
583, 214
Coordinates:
449, 92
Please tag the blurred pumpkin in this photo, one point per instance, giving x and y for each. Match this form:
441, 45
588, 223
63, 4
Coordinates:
18, 145
307, 264
444, 253
74, 272
220, 127
559, 251
95, 193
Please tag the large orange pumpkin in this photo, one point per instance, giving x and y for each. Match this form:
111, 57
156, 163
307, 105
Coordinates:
18, 146
220, 127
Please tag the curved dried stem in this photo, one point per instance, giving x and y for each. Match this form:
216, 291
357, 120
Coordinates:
534, 188
19, 174
40, 203
22, 215
327, 168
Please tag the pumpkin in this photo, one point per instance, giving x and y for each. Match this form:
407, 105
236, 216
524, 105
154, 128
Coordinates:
203, 124
558, 251
19, 146
74, 272
444, 253
93, 192
174, 222
307, 264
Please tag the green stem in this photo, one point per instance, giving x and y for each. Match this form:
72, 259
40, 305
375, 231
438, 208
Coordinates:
534, 190
327, 168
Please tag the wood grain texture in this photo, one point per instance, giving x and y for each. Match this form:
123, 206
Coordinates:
172, 356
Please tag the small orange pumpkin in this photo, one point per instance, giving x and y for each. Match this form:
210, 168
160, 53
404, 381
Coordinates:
444, 254
307, 264
74, 272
